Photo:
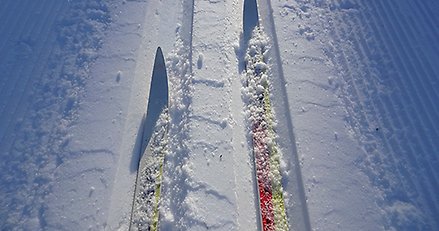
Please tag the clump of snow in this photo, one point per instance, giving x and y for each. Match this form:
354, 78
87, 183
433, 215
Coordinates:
403, 215
118, 76
147, 197
200, 60
177, 170
307, 32
261, 124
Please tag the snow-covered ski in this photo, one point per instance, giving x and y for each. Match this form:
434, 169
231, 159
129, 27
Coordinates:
266, 154
145, 211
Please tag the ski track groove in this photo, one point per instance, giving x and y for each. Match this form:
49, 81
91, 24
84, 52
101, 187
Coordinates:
408, 116
379, 104
361, 59
398, 145
277, 64
7, 35
421, 28
382, 105
378, 34
407, 37
419, 89
423, 10
363, 116
406, 58
15, 35
8, 92
411, 70
36, 197
426, 70
19, 103
7, 29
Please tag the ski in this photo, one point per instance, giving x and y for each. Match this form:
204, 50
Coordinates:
145, 209
265, 150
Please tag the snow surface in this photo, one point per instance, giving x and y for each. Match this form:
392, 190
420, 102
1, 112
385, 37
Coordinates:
354, 88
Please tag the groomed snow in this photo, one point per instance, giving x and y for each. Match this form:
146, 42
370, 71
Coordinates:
353, 87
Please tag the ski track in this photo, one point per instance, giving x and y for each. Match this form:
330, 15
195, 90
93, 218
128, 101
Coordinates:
199, 193
34, 121
14, 176
18, 97
415, 121
389, 112
354, 92
296, 202
147, 32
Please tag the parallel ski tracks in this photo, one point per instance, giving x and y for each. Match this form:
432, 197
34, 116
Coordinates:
422, 12
426, 122
358, 84
23, 25
415, 75
19, 105
383, 108
24, 76
407, 53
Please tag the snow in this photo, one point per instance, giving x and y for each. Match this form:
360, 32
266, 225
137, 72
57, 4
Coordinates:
353, 88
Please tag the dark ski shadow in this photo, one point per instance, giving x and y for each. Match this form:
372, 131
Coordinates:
157, 102
135, 157
250, 19
249, 22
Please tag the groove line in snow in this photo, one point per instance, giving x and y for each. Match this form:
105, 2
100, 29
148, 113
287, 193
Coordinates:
16, 27
405, 56
411, 121
393, 65
212, 32
383, 110
18, 106
425, 108
386, 120
421, 25
38, 137
16, 36
424, 10
406, 37
356, 93
378, 42
356, 83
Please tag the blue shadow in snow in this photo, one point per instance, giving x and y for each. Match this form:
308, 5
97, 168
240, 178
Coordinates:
157, 102
250, 20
